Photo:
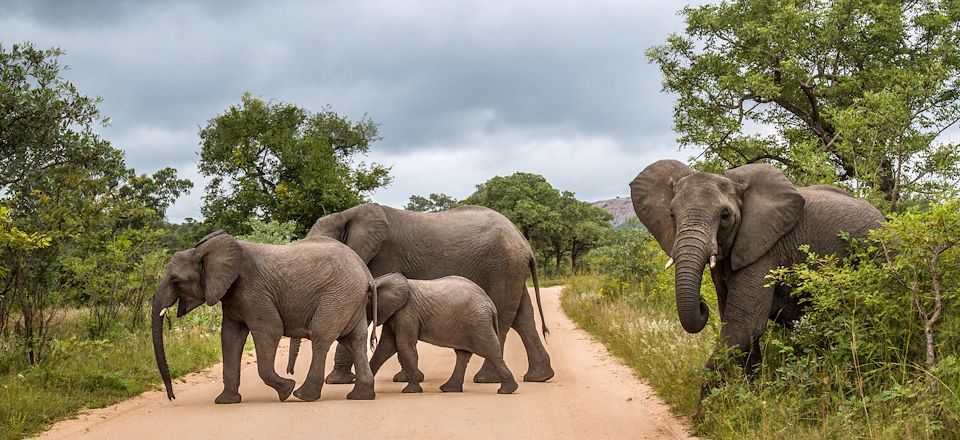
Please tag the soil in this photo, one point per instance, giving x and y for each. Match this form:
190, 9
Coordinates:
593, 395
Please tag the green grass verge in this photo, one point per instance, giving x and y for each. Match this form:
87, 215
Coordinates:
787, 400
80, 372
644, 333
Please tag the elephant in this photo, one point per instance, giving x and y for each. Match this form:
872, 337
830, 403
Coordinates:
474, 242
742, 223
314, 288
450, 312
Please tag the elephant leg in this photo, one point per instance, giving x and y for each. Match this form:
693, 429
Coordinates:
386, 348
407, 351
356, 340
455, 384
233, 334
342, 362
265, 342
539, 369
313, 385
507, 307
507, 383
294, 350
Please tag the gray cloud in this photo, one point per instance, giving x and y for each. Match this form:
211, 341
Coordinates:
480, 89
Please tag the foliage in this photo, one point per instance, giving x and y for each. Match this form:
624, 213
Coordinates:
91, 372
555, 223
278, 161
857, 365
850, 91
628, 261
432, 203
271, 232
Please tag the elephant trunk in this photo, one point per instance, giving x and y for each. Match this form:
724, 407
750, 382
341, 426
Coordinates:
161, 300
690, 253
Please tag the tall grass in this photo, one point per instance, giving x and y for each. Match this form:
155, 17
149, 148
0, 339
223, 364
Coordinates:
81, 372
789, 398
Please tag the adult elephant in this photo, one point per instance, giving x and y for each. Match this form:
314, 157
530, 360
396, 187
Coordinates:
315, 288
742, 223
474, 242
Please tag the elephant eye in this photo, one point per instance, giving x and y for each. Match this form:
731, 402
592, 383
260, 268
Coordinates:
726, 214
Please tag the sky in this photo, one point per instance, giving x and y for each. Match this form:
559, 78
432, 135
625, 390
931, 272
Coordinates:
463, 91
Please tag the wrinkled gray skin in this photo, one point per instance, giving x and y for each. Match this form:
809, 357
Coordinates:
450, 312
752, 220
470, 241
314, 288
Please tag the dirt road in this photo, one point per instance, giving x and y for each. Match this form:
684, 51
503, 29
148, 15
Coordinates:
592, 396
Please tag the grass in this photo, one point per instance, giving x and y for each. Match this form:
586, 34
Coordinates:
644, 333
82, 372
794, 395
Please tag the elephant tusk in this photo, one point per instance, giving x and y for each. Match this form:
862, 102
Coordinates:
669, 263
163, 312
713, 261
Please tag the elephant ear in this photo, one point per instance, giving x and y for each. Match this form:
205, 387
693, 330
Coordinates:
770, 207
362, 228
651, 192
220, 259
393, 292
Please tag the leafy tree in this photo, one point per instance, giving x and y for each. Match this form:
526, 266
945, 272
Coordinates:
527, 199
271, 232
278, 161
433, 203
67, 195
555, 223
850, 91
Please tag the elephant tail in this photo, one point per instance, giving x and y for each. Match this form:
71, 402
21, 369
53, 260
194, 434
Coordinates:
536, 289
373, 306
294, 350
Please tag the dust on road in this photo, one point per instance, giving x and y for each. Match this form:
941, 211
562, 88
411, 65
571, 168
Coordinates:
592, 396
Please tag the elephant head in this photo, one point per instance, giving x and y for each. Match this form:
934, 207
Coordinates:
698, 217
392, 293
362, 228
192, 277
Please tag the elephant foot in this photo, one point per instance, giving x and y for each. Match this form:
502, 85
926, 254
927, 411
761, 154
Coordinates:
507, 387
307, 394
362, 392
285, 388
450, 387
340, 377
402, 377
487, 375
538, 374
413, 388
227, 397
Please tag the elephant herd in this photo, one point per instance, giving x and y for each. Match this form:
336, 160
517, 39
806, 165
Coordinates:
457, 278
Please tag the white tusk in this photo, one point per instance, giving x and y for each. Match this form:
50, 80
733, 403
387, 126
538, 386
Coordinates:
163, 311
713, 261
669, 263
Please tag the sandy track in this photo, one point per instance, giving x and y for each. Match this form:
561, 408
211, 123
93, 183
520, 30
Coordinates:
592, 396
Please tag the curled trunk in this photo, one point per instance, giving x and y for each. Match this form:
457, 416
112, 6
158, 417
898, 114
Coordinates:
161, 301
690, 255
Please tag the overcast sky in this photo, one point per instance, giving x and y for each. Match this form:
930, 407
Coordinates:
462, 92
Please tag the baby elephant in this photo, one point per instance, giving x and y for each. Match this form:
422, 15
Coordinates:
448, 312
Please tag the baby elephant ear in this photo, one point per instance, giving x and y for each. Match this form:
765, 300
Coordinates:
393, 291
651, 192
220, 259
770, 207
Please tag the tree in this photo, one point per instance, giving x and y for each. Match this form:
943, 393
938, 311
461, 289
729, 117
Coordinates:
555, 223
278, 161
527, 199
67, 194
850, 91
433, 203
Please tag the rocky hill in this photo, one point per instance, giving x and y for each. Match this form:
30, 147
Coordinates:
620, 207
